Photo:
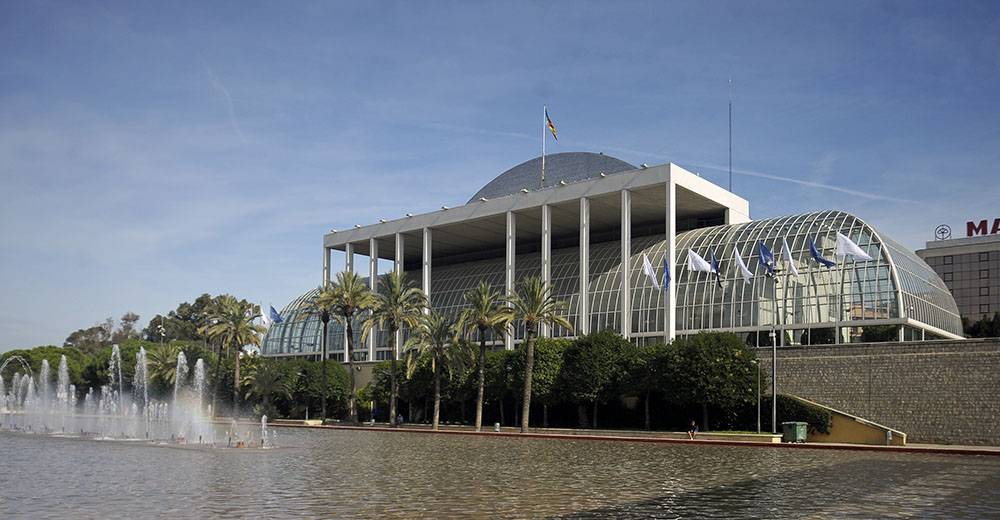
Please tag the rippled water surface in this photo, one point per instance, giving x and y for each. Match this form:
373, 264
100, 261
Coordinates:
351, 474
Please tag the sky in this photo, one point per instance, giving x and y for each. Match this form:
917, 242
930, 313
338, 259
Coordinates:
151, 152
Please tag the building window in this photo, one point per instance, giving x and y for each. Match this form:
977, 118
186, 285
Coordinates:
984, 291
947, 277
984, 257
984, 274
984, 308
948, 260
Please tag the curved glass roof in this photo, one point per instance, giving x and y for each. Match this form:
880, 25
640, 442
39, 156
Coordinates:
568, 167
893, 288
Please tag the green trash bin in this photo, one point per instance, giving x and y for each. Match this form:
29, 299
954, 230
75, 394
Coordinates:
794, 431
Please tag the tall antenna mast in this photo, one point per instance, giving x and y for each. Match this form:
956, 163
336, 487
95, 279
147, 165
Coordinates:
730, 133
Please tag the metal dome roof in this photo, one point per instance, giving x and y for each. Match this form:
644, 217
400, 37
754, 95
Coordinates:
568, 166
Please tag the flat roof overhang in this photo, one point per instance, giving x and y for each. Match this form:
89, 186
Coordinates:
481, 225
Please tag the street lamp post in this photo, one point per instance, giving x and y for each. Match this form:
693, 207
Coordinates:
325, 318
774, 358
757, 364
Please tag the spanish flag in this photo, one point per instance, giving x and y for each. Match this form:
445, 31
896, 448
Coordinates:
552, 127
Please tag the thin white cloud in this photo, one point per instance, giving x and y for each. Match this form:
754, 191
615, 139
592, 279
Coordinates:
802, 182
217, 85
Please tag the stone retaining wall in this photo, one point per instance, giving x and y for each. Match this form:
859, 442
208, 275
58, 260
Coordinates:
936, 392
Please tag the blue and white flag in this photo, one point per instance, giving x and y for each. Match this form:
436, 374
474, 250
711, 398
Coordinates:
275, 317
786, 255
715, 269
846, 247
767, 260
647, 268
741, 265
818, 257
666, 274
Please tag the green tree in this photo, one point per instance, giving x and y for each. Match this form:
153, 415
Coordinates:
500, 378
534, 305
486, 311
232, 327
185, 323
713, 369
594, 369
434, 340
649, 370
268, 379
545, 377
398, 304
985, 327
348, 298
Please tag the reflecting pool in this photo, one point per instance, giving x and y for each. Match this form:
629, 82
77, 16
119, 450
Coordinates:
359, 474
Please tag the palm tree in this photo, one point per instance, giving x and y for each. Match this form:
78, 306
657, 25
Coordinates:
232, 325
348, 297
485, 310
534, 305
267, 379
434, 339
322, 305
399, 304
162, 364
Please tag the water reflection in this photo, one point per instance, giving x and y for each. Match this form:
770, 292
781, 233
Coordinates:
397, 475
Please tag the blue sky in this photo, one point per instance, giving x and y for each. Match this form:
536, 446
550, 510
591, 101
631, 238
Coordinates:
149, 154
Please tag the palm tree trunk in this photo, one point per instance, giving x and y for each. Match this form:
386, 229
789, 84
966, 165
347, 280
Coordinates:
437, 392
529, 367
236, 386
647, 409
482, 380
393, 384
352, 408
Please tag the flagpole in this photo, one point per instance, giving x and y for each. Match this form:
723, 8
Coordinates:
730, 134
544, 111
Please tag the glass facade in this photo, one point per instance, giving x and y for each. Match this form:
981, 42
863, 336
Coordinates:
818, 305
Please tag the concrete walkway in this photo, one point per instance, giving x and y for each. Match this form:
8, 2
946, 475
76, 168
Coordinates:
703, 439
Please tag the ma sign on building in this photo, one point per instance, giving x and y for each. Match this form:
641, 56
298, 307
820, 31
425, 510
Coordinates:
595, 215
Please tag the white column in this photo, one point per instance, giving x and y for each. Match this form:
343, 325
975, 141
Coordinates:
543, 330
400, 253
669, 296
626, 243
326, 265
398, 266
583, 321
426, 275
373, 285
509, 272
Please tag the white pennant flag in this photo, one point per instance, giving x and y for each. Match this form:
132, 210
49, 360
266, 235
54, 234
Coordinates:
747, 274
845, 247
647, 267
264, 320
786, 255
697, 263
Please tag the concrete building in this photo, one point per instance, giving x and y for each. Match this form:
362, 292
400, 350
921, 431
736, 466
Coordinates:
595, 214
970, 268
